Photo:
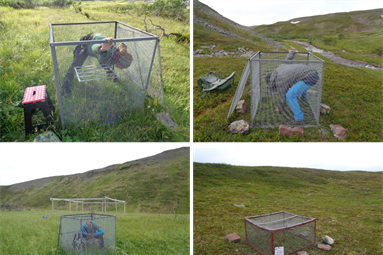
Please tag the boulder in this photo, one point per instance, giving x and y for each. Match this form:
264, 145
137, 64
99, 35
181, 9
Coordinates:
284, 130
242, 106
302, 253
328, 240
324, 247
339, 131
199, 51
166, 119
324, 109
239, 126
233, 237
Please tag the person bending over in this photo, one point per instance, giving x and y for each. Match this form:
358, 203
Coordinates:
105, 53
91, 230
291, 81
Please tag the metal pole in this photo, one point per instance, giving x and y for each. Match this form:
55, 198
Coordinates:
116, 207
124, 207
150, 69
57, 81
70, 209
52, 208
162, 85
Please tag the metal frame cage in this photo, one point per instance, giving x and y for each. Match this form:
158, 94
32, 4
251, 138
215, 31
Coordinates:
264, 101
102, 92
72, 241
282, 229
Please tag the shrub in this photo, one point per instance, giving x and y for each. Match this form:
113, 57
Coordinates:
329, 41
379, 51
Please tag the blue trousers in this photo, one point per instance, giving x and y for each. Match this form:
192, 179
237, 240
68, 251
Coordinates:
299, 89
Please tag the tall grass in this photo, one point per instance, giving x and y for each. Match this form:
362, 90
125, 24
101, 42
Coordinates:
25, 60
26, 232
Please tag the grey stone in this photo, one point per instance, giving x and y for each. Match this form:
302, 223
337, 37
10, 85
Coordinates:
166, 119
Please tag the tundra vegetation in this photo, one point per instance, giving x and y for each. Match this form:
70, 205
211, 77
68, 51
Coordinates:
347, 205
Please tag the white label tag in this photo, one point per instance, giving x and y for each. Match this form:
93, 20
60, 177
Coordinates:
279, 251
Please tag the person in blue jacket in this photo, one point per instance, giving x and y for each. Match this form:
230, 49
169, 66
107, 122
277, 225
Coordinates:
90, 229
291, 81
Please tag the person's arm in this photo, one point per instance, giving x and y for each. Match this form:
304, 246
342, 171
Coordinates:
290, 55
106, 46
100, 232
84, 230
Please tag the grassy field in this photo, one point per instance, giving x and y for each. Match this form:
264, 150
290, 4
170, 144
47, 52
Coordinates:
355, 98
147, 186
25, 60
347, 205
26, 232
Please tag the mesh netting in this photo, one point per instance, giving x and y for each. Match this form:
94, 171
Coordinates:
72, 239
281, 229
100, 90
277, 92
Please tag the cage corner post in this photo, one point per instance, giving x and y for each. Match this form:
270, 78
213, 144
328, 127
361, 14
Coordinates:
160, 70
56, 72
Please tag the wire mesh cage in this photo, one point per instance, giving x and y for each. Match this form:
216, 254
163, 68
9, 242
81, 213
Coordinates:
102, 85
267, 232
75, 238
284, 87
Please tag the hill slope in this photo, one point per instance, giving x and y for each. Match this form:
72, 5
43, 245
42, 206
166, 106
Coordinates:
211, 28
149, 184
347, 205
345, 22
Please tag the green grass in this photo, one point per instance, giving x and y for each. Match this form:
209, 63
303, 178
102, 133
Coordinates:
329, 196
26, 232
26, 61
348, 91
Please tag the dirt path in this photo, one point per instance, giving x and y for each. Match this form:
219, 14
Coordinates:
337, 59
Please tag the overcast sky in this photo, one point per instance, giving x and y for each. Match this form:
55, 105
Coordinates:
258, 12
334, 156
29, 161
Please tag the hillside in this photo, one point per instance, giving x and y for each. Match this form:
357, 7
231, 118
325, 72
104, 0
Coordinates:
151, 184
345, 22
213, 29
347, 205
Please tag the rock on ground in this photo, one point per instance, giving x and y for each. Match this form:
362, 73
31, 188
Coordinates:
239, 126
166, 120
324, 109
242, 106
324, 247
339, 131
233, 237
284, 130
328, 240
